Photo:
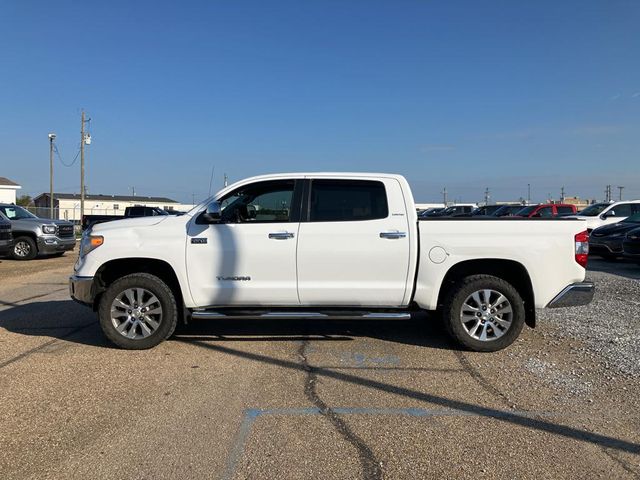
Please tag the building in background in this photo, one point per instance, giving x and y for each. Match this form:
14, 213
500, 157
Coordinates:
577, 201
8, 190
67, 205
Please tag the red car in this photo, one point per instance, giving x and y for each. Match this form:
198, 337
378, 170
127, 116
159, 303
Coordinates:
547, 210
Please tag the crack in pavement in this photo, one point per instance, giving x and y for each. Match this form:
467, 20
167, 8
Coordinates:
371, 467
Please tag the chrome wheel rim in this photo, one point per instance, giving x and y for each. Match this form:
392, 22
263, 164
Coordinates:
136, 313
22, 249
486, 315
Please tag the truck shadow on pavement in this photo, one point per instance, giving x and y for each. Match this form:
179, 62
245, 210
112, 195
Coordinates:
61, 320
66, 320
421, 330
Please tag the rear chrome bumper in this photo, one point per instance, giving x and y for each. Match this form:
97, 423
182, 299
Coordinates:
82, 289
574, 295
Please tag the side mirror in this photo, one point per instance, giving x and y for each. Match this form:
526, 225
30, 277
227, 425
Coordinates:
213, 213
610, 213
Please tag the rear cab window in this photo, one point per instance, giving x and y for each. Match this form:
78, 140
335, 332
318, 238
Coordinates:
347, 200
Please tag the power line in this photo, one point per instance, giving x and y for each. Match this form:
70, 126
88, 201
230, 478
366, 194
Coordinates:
57, 152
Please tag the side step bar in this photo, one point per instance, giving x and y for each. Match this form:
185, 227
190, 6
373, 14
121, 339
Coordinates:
212, 314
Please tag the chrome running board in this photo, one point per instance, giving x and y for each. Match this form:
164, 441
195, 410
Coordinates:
281, 315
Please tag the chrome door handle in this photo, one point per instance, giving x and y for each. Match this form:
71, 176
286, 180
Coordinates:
393, 234
281, 235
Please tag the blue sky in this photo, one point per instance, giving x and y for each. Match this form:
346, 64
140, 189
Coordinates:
462, 94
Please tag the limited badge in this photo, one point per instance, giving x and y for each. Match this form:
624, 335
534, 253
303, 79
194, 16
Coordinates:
198, 240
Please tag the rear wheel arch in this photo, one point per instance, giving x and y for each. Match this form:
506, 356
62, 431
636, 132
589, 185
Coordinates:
509, 270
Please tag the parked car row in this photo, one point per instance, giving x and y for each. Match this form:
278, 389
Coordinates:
609, 241
549, 210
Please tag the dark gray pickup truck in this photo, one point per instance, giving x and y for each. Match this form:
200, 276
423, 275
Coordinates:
6, 239
34, 235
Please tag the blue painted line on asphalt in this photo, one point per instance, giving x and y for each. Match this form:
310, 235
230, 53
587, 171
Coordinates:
251, 414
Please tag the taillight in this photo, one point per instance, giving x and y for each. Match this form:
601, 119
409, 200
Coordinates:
582, 248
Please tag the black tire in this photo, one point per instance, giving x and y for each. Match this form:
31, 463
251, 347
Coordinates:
24, 248
165, 297
452, 312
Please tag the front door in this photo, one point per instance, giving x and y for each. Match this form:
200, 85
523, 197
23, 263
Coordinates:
249, 257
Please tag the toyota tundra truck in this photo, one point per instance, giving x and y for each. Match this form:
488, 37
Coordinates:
328, 245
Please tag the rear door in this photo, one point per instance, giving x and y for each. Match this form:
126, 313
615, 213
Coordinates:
353, 244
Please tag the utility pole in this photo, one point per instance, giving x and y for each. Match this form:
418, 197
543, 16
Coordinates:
562, 195
82, 140
52, 137
444, 196
607, 193
528, 193
620, 188
133, 191
487, 196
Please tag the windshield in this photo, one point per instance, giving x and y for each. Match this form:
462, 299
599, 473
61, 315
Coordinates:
506, 210
487, 210
593, 210
635, 218
526, 211
16, 213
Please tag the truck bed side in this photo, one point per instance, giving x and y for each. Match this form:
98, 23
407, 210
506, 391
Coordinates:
545, 248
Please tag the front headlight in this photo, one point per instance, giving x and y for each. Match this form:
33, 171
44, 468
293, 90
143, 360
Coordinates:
49, 229
90, 243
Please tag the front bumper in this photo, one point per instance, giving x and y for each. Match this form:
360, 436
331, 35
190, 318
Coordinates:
634, 257
5, 246
82, 289
53, 244
574, 295
610, 247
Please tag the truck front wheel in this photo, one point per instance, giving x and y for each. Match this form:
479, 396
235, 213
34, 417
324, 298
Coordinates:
484, 313
24, 248
138, 311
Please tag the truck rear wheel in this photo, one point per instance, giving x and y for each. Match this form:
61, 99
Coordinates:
484, 313
138, 311
24, 248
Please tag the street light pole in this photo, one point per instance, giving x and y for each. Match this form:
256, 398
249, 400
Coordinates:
52, 137
82, 168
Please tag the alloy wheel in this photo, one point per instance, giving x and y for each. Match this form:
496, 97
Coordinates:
136, 313
486, 315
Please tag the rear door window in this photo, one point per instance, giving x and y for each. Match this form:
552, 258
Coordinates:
564, 210
544, 212
622, 210
347, 201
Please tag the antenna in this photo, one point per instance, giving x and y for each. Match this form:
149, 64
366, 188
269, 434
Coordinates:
213, 169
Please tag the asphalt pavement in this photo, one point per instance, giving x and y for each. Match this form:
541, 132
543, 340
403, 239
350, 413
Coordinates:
298, 399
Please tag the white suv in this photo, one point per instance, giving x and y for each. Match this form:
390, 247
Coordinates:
600, 214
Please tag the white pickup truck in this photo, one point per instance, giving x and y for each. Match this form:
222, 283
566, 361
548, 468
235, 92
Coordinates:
327, 245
